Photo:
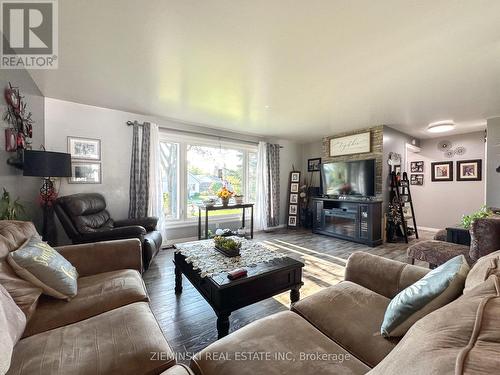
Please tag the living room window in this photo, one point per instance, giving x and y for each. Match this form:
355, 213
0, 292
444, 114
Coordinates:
196, 168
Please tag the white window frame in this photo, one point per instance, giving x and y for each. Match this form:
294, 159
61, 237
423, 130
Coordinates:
183, 141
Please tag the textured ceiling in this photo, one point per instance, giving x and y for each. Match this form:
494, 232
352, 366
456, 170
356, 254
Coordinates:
298, 70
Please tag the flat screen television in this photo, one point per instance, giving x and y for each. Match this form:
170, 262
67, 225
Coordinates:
356, 178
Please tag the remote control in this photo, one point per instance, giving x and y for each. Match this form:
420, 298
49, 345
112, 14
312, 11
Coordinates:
236, 274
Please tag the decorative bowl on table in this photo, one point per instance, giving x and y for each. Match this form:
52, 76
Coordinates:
238, 199
227, 246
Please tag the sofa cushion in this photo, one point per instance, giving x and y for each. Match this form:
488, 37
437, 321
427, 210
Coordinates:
284, 333
12, 323
96, 294
484, 268
121, 341
45, 268
24, 293
13, 234
462, 337
350, 315
439, 287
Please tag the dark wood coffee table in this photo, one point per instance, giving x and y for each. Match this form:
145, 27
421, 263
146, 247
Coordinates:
263, 281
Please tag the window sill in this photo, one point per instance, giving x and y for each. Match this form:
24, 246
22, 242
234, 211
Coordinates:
211, 219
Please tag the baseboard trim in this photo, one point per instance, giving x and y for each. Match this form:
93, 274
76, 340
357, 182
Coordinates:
429, 229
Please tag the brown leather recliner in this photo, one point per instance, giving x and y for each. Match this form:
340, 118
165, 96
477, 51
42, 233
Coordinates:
85, 219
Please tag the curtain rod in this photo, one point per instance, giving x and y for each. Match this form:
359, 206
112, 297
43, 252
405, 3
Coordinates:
129, 123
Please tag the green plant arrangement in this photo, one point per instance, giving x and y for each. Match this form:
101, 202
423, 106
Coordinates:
483, 212
10, 210
227, 246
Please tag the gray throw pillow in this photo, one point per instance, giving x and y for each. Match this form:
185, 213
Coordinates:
45, 268
436, 289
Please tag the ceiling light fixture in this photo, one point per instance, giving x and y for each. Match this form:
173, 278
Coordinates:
441, 126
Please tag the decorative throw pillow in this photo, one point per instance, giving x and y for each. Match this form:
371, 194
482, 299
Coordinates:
485, 267
12, 325
45, 268
436, 289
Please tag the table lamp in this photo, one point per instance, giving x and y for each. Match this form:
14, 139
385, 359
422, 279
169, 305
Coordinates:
47, 164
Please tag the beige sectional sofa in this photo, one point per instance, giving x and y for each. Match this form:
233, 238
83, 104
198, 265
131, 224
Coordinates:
336, 331
108, 328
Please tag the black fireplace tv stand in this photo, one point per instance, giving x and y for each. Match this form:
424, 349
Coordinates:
349, 219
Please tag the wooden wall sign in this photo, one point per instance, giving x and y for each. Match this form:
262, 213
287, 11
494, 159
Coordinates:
351, 144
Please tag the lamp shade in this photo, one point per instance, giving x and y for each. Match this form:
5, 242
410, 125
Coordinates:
46, 164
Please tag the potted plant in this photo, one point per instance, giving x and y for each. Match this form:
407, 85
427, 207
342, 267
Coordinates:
227, 246
483, 212
10, 210
225, 194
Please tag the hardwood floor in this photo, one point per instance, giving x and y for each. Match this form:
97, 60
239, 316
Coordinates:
189, 322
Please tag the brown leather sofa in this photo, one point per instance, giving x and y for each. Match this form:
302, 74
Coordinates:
336, 331
108, 328
85, 219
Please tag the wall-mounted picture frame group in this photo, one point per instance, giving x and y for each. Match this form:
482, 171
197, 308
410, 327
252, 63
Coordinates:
417, 179
84, 148
469, 170
314, 165
86, 160
466, 170
85, 173
417, 166
293, 199
442, 171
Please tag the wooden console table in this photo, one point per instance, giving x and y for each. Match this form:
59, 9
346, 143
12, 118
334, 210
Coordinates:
242, 206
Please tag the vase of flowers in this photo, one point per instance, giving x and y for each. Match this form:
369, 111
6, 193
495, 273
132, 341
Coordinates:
225, 194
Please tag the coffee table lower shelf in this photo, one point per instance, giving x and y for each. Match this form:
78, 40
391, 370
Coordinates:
263, 281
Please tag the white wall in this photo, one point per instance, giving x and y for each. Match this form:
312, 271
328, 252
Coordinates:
493, 151
312, 150
65, 119
441, 204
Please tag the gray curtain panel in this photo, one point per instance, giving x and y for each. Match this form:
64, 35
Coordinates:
139, 172
135, 176
273, 171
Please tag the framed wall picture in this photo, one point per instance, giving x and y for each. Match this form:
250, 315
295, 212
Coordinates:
417, 166
293, 199
85, 173
84, 148
469, 170
351, 144
442, 171
313, 165
417, 179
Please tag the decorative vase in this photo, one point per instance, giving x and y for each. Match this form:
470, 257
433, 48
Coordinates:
225, 201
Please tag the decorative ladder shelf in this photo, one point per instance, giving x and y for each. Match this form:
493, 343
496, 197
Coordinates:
400, 189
